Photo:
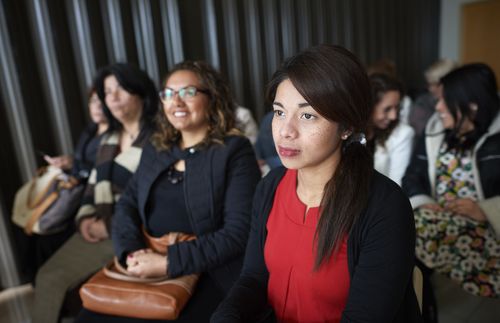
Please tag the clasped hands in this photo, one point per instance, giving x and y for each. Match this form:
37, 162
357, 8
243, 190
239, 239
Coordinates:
93, 229
465, 207
145, 263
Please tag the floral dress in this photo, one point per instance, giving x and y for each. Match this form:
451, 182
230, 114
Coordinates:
459, 247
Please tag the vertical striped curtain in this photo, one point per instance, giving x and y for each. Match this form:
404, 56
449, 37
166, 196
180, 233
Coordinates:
50, 50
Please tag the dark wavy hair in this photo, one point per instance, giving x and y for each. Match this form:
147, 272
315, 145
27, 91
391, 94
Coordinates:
333, 81
134, 81
381, 84
221, 115
466, 85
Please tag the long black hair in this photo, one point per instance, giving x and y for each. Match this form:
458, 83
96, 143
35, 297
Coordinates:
470, 84
333, 81
134, 81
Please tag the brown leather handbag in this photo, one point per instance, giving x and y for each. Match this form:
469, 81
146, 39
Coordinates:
112, 291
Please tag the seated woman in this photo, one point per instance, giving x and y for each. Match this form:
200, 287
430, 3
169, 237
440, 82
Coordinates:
79, 165
453, 183
130, 103
325, 245
390, 140
198, 176
83, 159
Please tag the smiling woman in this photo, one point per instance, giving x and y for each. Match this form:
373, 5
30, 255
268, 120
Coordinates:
197, 177
453, 183
390, 140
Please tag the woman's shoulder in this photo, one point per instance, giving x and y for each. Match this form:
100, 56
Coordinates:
236, 140
385, 193
232, 144
402, 132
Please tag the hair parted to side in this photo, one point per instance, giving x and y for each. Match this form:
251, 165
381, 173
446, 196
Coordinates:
471, 84
333, 81
134, 81
381, 84
221, 115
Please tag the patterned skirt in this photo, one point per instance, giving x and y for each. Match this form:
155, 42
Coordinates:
465, 250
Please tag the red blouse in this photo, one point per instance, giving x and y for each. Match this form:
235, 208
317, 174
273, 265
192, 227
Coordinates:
296, 292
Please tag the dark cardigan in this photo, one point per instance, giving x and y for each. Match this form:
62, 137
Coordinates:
380, 260
219, 183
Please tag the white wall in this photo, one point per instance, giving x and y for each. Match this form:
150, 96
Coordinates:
450, 25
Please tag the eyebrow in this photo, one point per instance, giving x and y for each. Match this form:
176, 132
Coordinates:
189, 85
301, 105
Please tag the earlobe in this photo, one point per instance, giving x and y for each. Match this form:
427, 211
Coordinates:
346, 134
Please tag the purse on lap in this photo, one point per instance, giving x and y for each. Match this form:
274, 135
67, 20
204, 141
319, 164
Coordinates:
48, 202
112, 291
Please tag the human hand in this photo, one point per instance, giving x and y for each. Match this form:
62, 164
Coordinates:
433, 207
93, 230
64, 162
468, 208
146, 263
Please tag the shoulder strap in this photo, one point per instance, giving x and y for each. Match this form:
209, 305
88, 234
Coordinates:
39, 210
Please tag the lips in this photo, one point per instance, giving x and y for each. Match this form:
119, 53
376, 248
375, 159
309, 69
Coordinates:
287, 152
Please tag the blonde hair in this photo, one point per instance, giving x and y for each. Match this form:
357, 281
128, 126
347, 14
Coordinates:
439, 69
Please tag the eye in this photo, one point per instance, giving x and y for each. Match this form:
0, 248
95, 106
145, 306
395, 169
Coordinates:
190, 92
308, 116
278, 113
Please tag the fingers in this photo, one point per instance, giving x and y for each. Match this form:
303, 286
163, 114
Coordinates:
433, 207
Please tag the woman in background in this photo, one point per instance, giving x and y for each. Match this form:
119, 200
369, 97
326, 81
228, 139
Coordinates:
453, 183
130, 102
390, 140
42, 247
83, 159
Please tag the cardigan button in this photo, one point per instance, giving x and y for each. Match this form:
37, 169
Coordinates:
192, 150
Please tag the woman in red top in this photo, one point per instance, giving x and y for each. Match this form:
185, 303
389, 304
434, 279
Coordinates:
331, 239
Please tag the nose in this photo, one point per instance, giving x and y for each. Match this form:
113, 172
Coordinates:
393, 114
114, 94
439, 105
176, 101
288, 129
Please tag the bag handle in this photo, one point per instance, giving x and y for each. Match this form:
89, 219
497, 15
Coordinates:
116, 271
39, 210
39, 198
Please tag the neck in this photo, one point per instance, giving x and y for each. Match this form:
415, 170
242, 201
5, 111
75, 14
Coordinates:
466, 127
131, 129
101, 128
192, 138
311, 181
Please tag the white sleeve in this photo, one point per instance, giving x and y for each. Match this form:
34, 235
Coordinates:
399, 146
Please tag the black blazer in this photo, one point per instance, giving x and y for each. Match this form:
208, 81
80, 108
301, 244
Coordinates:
219, 184
380, 251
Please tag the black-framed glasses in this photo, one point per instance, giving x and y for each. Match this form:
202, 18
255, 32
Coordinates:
188, 92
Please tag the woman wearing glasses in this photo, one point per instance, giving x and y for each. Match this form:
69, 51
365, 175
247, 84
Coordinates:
197, 176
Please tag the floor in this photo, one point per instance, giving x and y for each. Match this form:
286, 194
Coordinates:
457, 306
15, 303
454, 305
